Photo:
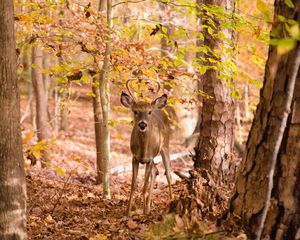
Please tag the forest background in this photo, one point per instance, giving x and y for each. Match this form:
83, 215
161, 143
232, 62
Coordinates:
74, 59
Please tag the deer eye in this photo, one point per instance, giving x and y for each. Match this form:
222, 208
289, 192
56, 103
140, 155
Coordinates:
135, 112
149, 112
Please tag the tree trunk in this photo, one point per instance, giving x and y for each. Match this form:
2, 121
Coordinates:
62, 95
104, 98
41, 100
199, 43
214, 148
102, 5
98, 123
12, 177
260, 167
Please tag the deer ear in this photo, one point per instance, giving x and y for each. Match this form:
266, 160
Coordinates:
160, 102
126, 100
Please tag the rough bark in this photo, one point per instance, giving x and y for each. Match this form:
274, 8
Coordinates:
41, 99
12, 177
249, 200
214, 148
104, 99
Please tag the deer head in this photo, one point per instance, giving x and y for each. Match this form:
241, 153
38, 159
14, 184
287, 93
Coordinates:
144, 112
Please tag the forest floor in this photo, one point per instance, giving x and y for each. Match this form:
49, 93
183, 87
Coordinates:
63, 201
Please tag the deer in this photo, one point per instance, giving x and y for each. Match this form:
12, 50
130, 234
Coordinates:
149, 137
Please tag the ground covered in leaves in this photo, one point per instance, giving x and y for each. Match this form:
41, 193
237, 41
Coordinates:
65, 210
63, 201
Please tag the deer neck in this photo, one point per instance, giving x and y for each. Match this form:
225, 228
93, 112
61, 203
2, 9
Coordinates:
145, 145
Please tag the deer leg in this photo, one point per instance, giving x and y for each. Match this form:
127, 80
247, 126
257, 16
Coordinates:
146, 183
135, 169
154, 173
166, 161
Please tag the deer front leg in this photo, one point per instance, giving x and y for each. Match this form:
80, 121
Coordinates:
146, 183
166, 161
135, 169
154, 173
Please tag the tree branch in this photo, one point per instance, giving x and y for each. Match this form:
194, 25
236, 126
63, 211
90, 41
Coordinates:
119, 3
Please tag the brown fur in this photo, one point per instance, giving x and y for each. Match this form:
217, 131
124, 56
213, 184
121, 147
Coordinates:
145, 144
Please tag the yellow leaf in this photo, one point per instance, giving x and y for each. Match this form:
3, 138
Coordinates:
264, 9
99, 236
295, 31
59, 170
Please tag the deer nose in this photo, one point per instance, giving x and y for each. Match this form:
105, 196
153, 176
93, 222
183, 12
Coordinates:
142, 125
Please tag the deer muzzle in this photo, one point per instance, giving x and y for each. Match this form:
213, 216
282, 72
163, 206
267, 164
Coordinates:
142, 126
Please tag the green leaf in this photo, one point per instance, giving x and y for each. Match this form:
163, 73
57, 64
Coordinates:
295, 31
289, 3
283, 45
85, 79
264, 9
235, 94
281, 18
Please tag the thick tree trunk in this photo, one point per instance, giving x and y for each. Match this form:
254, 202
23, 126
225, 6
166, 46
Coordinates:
253, 181
12, 177
214, 148
41, 99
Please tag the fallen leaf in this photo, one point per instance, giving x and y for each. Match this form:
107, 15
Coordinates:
132, 224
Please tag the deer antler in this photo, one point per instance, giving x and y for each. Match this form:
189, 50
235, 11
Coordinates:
128, 88
157, 83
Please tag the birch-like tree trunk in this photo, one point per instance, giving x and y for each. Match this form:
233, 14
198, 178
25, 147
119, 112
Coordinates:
104, 98
12, 176
40, 90
267, 196
214, 148
98, 120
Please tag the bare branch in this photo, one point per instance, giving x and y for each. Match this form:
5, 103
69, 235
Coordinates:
119, 3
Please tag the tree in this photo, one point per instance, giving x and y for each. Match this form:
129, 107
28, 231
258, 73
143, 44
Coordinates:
267, 196
214, 148
40, 91
104, 99
12, 177
98, 120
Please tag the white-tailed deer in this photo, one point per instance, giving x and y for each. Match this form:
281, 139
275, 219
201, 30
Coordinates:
149, 137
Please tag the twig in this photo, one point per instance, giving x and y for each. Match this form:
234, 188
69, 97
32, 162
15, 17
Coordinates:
119, 3
178, 5
286, 111
60, 194
181, 175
